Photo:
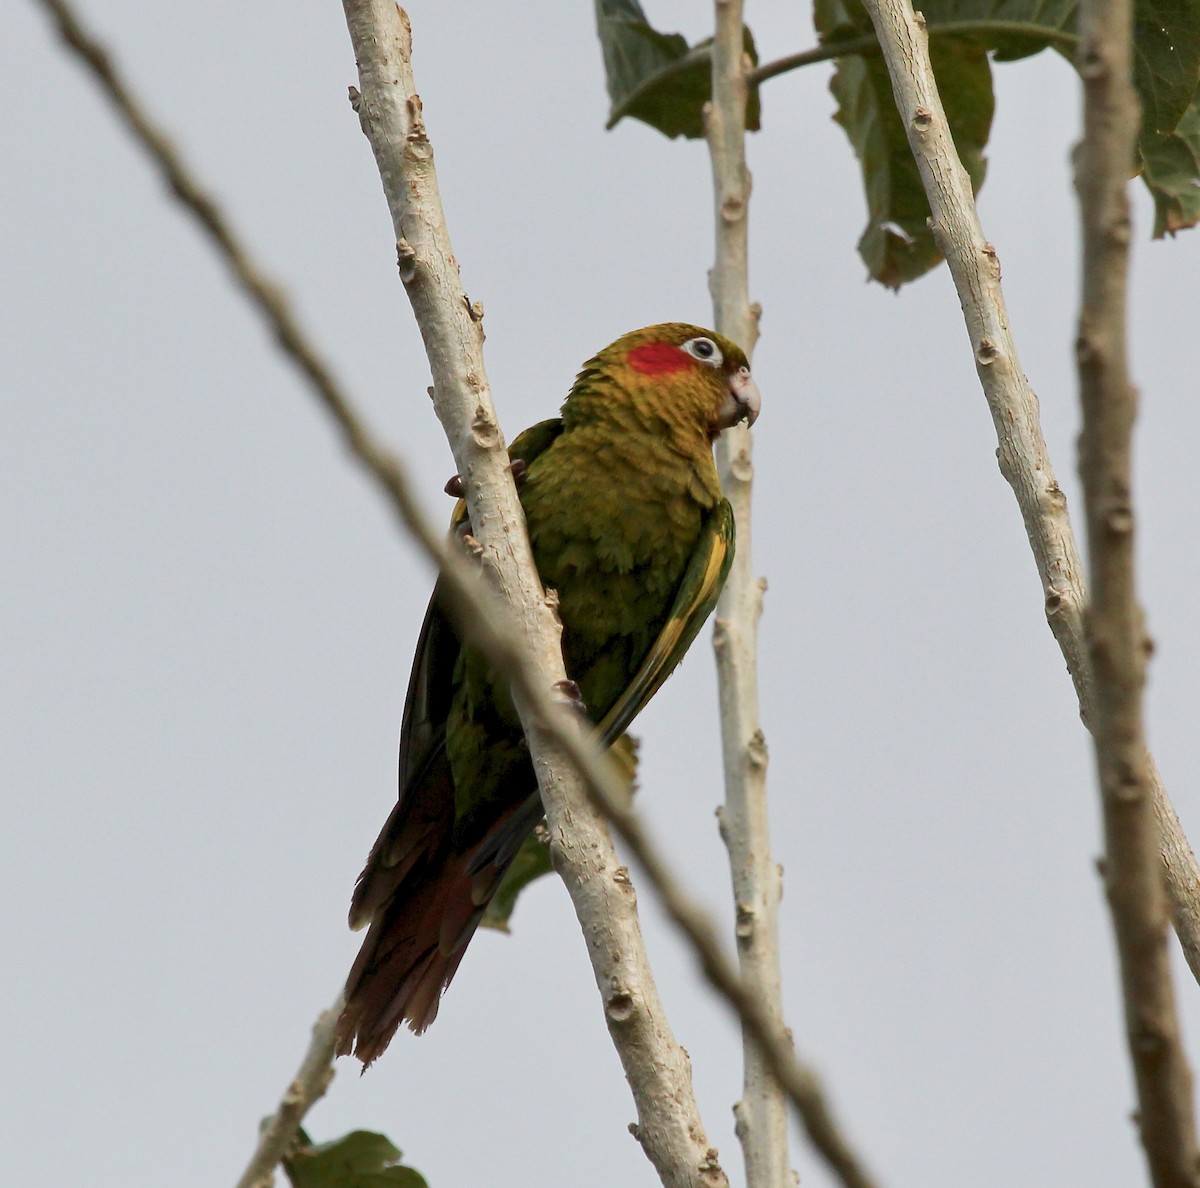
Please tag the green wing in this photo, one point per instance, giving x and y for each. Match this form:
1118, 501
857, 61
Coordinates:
697, 597
431, 687
425, 782
537, 439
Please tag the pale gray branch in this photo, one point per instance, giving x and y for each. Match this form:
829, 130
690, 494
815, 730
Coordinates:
657, 1068
757, 880
761, 1113
1024, 459
1117, 642
1127, 772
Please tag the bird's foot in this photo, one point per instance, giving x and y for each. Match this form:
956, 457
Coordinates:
462, 533
454, 485
570, 696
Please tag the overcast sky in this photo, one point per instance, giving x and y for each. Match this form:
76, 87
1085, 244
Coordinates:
208, 615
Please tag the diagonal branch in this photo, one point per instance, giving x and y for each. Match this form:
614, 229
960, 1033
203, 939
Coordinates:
657, 1068
487, 630
1108, 693
1023, 456
1117, 642
671, 1130
305, 1089
868, 45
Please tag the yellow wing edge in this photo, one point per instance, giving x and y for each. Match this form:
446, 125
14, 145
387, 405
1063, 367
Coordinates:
697, 598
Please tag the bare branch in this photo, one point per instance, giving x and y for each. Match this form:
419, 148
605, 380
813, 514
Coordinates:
307, 1087
757, 882
1107, 669
263, 293
656, 1067
1024, 459
1117, 642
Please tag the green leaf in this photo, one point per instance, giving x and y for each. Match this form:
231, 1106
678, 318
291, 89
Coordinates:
1166, 67
360, 1159
1012, 28
656, 77
1166, 43
1171, 171
897, 245
533, 858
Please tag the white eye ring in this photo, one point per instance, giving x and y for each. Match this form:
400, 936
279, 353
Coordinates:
705, 350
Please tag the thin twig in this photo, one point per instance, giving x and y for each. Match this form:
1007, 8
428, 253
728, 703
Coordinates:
1117, 642
307, 1087
264, 294
473, 611
867, 46
761, 1113
1023, 456
757, 881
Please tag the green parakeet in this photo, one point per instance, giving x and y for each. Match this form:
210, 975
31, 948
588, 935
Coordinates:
628, 524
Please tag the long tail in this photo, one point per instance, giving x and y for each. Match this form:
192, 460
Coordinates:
408, 957
424, 901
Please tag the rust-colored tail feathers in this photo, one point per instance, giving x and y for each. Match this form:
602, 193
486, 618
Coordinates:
423, 899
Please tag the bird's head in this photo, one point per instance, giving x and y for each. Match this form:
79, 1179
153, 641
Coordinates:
685, 374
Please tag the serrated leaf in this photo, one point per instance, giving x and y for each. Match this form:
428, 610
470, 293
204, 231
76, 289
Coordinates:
897, 245
656, 77
1171, 171
533, 858
360, 1159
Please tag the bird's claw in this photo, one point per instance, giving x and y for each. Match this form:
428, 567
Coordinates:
570, 695
518, 466
462, 534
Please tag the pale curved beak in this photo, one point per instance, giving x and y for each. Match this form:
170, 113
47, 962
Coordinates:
742, 401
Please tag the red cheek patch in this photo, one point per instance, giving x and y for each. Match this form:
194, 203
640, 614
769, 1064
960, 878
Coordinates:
659, 358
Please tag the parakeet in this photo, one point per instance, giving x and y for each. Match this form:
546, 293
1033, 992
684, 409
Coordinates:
629, 526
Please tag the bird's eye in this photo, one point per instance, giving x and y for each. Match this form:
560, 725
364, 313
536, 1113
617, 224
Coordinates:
705, 350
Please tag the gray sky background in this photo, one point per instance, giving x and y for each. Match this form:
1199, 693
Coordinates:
207, 615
